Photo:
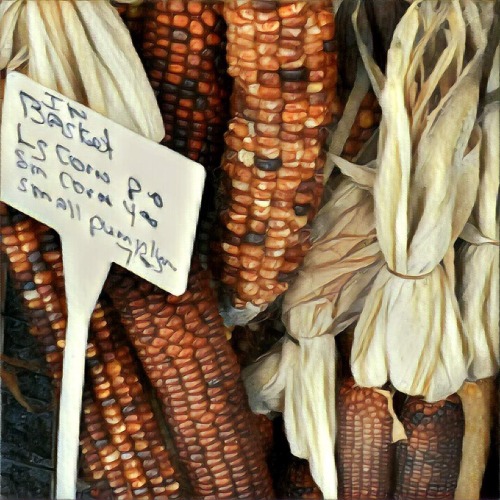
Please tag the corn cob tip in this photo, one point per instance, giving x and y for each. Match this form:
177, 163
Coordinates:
235, 316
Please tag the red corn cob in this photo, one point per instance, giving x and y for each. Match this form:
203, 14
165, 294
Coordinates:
281, 56
183, 347
33, 280
183, 52
298, 482
428, 463
129, 420
364, 443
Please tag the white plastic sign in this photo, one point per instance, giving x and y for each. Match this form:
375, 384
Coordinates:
113, 196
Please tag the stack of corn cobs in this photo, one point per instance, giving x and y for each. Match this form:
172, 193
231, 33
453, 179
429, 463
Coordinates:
340, 139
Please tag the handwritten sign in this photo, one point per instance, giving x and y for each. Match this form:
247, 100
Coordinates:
113, 196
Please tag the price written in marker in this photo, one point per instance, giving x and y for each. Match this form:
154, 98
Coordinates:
113, 196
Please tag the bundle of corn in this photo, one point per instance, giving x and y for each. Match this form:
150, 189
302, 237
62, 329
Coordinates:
114, 376
120, 420
477, 291
429, 461
84, 51
424, 191
183, 53
182, 345
281, 56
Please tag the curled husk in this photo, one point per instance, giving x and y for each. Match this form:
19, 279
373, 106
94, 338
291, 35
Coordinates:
427, 177
82, 50
478, 257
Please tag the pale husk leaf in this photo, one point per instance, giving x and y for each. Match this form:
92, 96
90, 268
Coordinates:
302, 386
410, 330
478, 257
83, 50
329, 291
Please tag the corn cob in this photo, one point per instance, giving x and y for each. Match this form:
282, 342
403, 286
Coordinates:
132, 15
32, 278
252, 341
297, 482
182, 345
281, 57
366, 122
364, 443
92, 467
183, 53
478, 404
291, 475
133, 449
428, 462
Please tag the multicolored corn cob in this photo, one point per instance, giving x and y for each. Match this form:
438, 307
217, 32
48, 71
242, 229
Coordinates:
182, 345
120, 418
183, 52
428, 463
281, 57
364, 443
34, 281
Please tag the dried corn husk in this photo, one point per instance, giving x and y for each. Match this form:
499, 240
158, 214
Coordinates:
329, 292
478, 258
83, 50
427, 177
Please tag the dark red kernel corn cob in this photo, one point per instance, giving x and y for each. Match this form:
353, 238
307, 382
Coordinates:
380, 18
183, 52
182, 345
281, 57
34, 282
364, 451
297, 482
428, 463
123, 404
132, 15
